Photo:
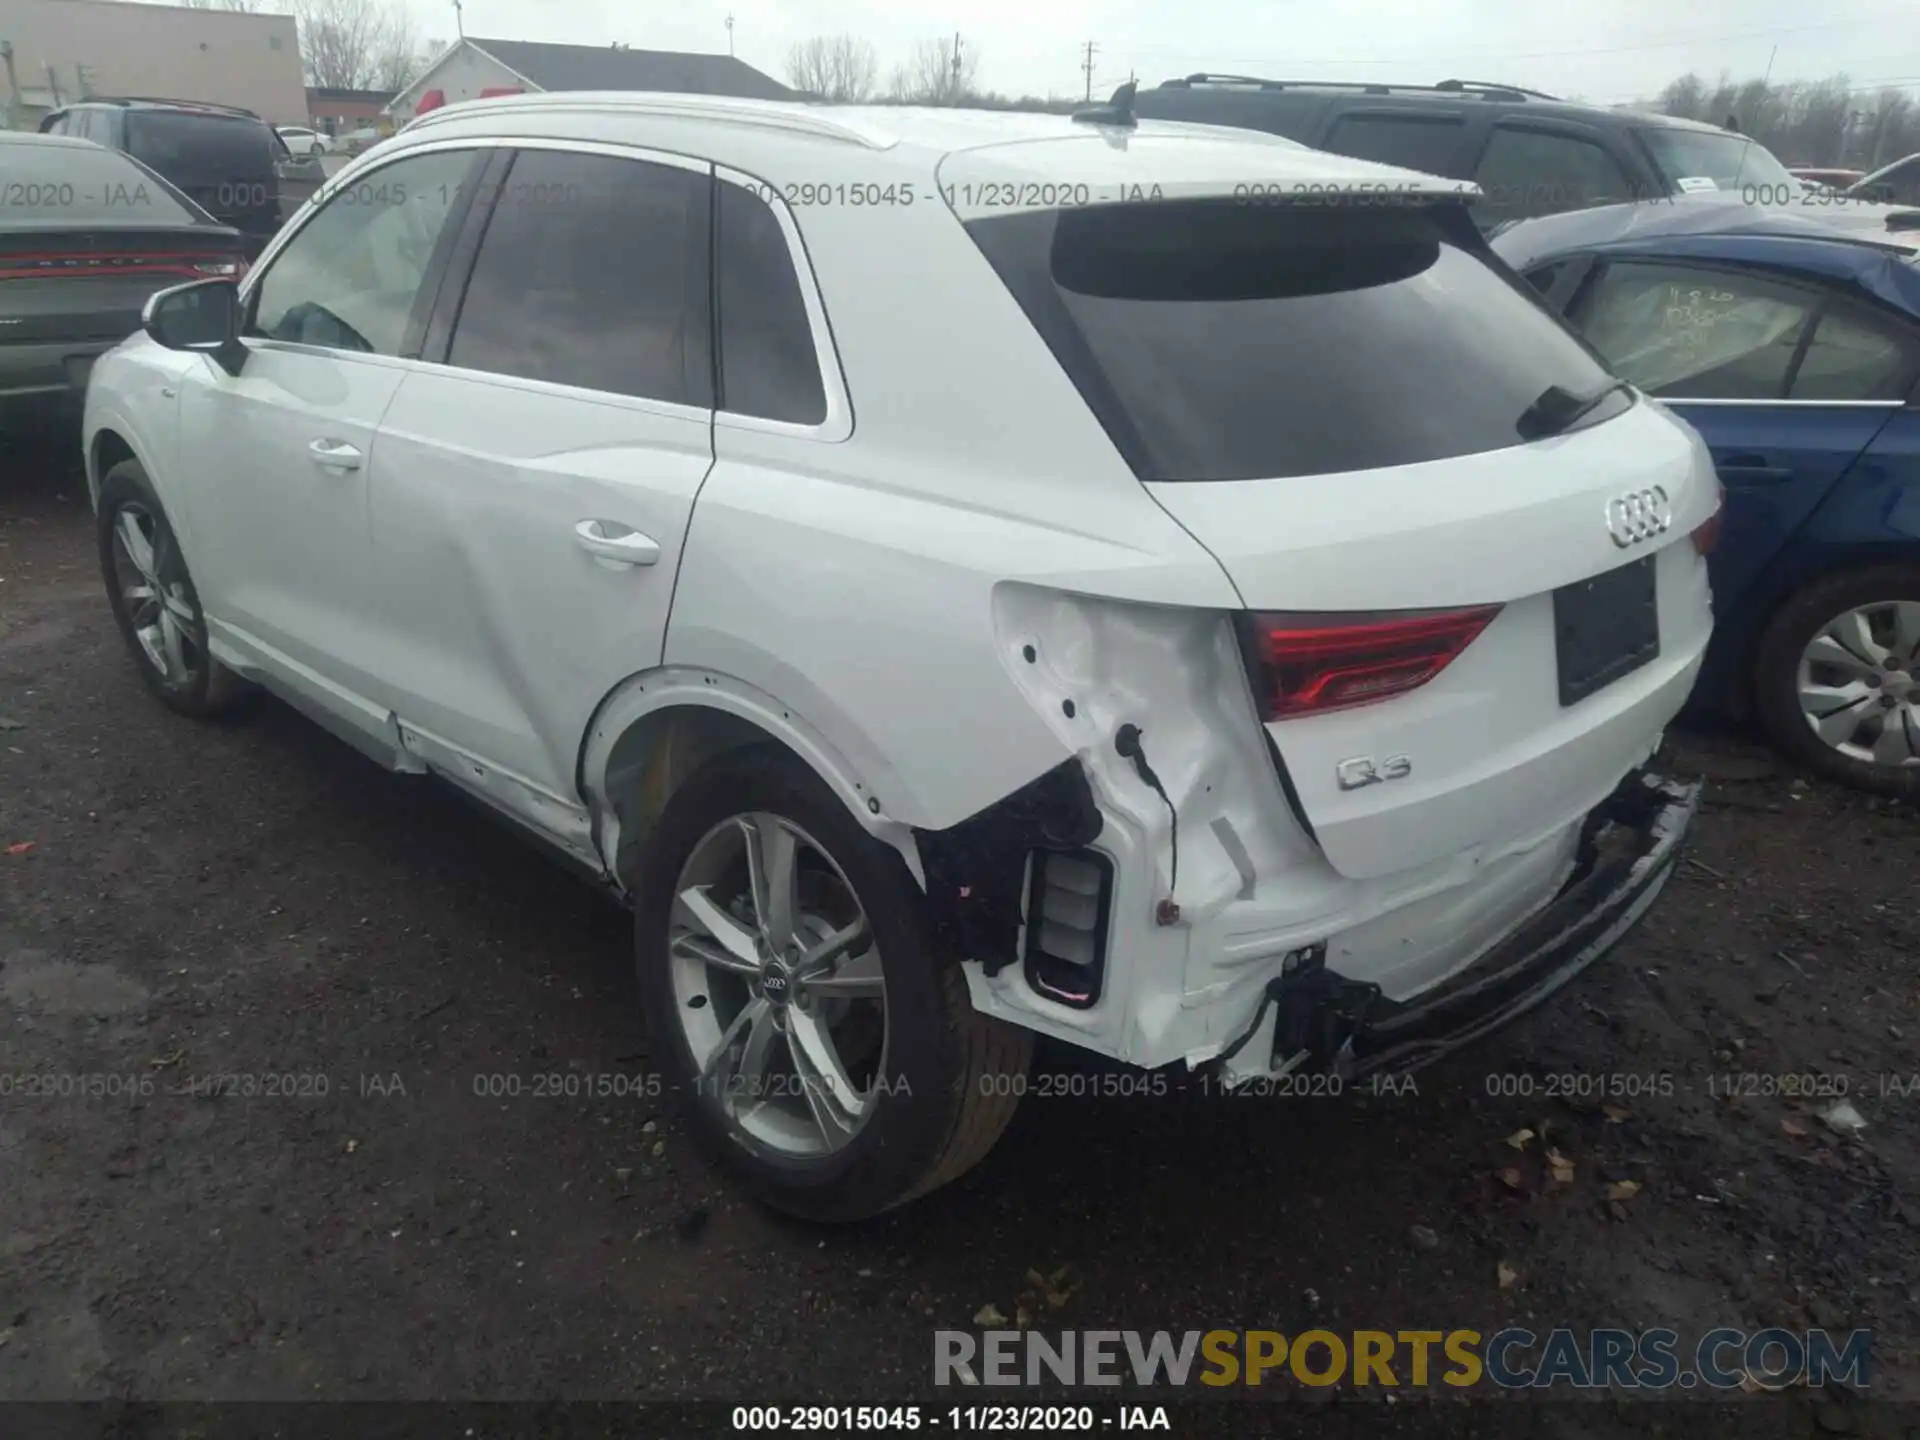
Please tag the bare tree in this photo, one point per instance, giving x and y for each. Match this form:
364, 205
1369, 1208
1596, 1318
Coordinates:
834, 67
936, 73
397, 59
342, 42
245, 7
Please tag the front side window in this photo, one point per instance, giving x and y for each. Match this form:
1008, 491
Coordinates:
350, 280
1684, 331
768, 366
595, 272
1690, 159
1229, 342
1542, 172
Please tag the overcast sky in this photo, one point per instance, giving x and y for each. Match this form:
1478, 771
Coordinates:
1599, 49
1603, 50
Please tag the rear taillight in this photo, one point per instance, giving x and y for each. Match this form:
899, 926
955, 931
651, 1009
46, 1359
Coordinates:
1706, 534
1311, 664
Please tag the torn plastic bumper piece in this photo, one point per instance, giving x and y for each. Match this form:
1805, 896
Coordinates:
1628, 849
977, 870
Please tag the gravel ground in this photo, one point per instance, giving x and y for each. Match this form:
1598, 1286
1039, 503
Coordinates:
180, 902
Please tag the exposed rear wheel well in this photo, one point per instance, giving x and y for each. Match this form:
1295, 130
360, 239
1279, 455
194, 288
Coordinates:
656, 755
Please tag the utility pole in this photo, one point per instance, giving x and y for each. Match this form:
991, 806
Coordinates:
729, 33
459, 19
955, 86
1087, 65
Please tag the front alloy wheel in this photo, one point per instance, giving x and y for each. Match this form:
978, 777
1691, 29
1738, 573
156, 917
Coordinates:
161, 613
154, 601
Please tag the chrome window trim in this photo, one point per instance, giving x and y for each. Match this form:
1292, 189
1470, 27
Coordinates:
1796, 404
838, 423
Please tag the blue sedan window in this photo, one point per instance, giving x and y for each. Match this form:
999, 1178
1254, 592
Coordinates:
1853, 358
1683, 332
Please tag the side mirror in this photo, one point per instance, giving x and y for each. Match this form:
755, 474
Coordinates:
201, 317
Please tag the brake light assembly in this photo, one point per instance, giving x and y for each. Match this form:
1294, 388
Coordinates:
1706, 535
1314, 664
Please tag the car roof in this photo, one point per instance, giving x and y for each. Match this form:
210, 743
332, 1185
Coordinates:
977, 147
1851, 243
34, 137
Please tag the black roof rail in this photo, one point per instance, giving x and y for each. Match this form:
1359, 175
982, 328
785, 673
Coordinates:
1494, 89
1211, 77
1487, 89
164, 100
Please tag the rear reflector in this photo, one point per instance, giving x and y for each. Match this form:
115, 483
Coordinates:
1706, 535
1312, 664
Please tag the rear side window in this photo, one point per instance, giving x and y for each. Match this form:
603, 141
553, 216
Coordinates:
1416, 142
1541, 172
1856, 357
174, 141
1230, 342
595, 272
1684, 332
768, 367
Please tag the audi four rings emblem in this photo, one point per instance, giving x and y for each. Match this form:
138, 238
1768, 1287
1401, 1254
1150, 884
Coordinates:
1639, 516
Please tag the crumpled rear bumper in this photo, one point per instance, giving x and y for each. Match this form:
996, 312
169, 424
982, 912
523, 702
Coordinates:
1629, 847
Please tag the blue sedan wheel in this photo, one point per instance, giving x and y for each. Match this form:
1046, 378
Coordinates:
1838, 681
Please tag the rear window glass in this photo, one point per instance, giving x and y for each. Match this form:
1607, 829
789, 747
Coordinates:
1229, 342
56, 184
173, 142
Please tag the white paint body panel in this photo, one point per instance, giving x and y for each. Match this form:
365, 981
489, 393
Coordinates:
867, 592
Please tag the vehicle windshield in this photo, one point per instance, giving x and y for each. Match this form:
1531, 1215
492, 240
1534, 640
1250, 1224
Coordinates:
1732, 162
180, 142
54, 185
1227, 342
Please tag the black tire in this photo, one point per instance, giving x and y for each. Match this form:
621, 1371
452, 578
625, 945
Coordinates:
953, 1075
208, 688
1777, 668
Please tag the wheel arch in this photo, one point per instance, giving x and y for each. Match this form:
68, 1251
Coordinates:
655, 729
1816, 564
106, 448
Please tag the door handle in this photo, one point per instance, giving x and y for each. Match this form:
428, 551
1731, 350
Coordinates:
334, 455
605, 540
1747, 468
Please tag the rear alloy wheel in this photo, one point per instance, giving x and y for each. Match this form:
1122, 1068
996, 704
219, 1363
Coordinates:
153, 599
1839, 678
822, 1050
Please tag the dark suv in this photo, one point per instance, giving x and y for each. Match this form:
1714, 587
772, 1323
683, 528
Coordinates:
228, 160
1530, 153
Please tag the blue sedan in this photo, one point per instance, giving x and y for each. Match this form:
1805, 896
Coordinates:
1792, 344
